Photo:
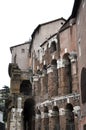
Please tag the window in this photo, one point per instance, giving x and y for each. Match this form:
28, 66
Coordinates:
62, 23
23, 50
53, 47
15, 59
38, 54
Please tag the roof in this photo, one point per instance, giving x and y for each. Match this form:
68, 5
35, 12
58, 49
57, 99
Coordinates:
75, 8
28, 42
37, 28
71, 19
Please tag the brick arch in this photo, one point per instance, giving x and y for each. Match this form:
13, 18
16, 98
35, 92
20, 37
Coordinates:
56, 118
54, 62
55, 108
45, 109
66, 56
69, 117
69, 106
67, 73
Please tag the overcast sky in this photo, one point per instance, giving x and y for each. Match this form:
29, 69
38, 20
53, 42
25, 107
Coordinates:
19, 18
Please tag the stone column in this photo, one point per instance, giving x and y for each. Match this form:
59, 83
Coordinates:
19, 102
36, 88
44, 85
13, 120
38, 120
52, 81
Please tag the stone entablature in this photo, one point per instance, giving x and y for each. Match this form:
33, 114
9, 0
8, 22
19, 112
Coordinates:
57, 101
25, 75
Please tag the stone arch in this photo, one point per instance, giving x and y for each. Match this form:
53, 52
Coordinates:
55, 108
66, 59
67, 73
26, 87
28, 114
69, 117
45, 109
53, 46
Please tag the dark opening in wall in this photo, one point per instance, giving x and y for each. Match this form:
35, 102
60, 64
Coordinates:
54, 62
28, 114
83, 85
26, 87
53, 47
57, 119
68, 74
84, 127
69, 117
55, 108
44, 67
45, 109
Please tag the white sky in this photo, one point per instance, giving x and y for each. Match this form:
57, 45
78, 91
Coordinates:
19, 18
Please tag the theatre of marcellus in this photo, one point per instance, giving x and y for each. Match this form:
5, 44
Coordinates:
48, 76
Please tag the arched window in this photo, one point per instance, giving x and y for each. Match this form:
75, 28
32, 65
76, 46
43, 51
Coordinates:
67, 74
53, 47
